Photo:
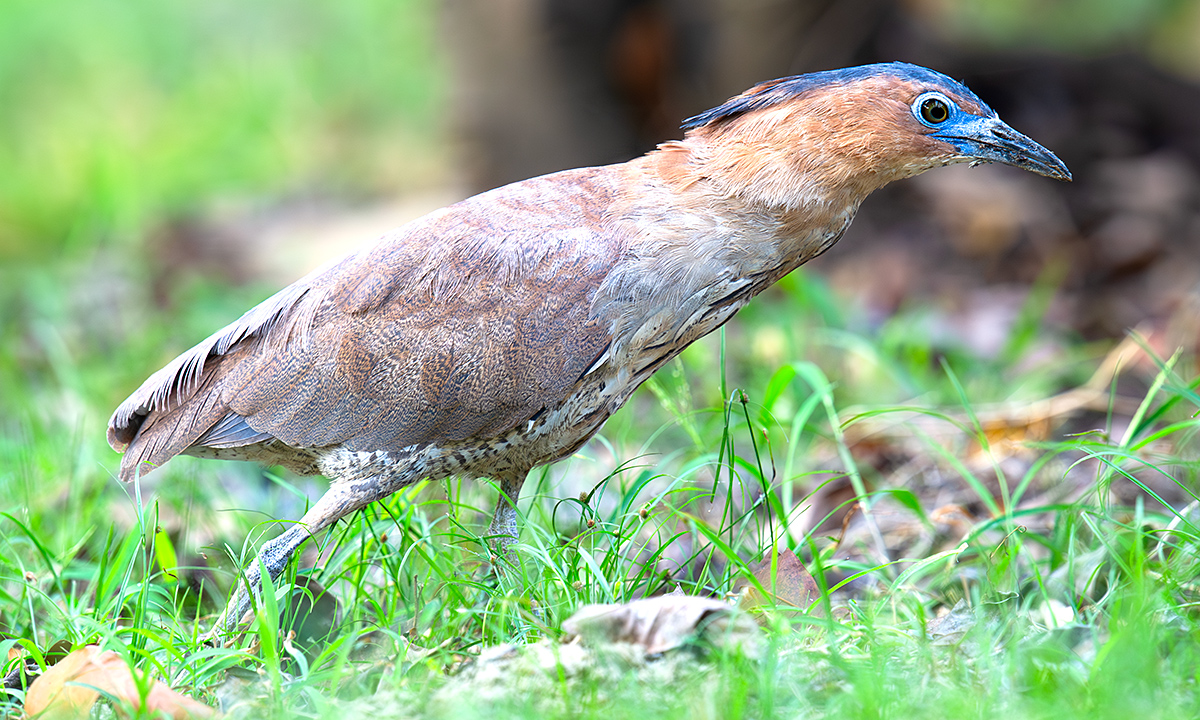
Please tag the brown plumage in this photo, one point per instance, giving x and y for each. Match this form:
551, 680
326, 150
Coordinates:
499, 333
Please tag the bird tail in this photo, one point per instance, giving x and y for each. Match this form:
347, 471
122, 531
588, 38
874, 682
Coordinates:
150, 440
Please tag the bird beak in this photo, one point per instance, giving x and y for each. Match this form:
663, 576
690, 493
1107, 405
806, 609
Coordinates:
986, 139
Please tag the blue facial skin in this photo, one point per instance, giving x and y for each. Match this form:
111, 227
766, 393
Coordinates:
986, 138
980, 138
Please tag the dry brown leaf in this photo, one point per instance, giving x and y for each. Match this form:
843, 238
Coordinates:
791, 583
50, 697
1008, 430
24, 672
664, 622
70, 688
314, 615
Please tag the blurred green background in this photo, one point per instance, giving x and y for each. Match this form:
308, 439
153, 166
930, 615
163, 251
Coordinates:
118, 115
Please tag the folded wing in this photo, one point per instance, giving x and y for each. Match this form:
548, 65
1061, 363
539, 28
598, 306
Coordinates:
464, 324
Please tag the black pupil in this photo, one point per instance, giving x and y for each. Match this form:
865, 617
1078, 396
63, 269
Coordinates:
934, 110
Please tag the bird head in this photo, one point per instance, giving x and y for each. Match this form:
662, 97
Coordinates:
818, 137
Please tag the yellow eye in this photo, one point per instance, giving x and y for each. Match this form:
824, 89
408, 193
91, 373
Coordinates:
934, 111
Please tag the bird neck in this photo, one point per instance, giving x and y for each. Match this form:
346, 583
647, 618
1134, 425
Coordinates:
817, 152
696, 253
771, 225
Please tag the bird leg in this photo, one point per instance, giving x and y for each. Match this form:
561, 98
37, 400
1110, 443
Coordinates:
503, 531
341, 499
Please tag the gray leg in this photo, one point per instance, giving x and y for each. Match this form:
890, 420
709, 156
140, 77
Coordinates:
341, 499
504, 530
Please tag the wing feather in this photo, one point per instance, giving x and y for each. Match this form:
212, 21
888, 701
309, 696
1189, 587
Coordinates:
231, 431
463, 324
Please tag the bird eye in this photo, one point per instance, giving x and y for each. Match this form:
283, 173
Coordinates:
932, 109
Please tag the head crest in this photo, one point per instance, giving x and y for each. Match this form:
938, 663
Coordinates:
774, 92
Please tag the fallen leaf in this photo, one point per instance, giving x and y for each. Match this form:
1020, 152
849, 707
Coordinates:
665, 622
50, 697
24, 672
314, 613
951, 627
70, 688
57, 652
788, 583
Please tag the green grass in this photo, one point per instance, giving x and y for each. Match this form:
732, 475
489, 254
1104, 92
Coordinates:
1081, 608
1039, 577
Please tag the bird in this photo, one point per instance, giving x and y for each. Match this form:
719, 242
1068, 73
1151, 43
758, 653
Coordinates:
498, 334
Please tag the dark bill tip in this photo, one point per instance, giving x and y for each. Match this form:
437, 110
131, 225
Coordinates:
990, 140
